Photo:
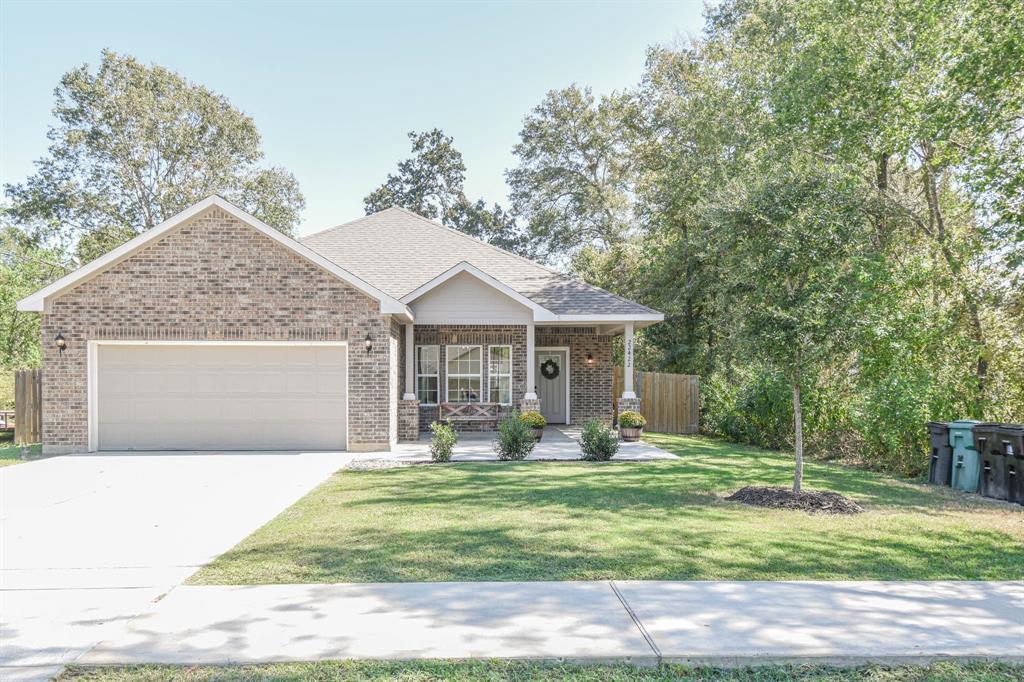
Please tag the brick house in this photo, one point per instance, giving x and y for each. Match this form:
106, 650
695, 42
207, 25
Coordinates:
213, 331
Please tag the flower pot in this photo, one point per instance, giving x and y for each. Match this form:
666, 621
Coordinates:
630, 434
537, 433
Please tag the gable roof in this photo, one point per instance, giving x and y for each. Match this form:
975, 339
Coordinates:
37, 301
402, 252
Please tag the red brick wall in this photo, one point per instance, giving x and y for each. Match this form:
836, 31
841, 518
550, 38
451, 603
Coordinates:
216, 278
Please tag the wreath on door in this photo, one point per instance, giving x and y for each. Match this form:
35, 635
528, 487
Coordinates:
549, 369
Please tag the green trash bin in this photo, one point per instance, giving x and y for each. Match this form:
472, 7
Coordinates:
966, 465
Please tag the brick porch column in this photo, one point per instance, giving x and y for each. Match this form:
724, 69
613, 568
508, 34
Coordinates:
628, 401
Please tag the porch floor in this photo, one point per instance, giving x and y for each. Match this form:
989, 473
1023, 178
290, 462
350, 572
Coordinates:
558, 443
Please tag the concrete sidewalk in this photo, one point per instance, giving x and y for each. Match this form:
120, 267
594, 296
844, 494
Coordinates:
715, 623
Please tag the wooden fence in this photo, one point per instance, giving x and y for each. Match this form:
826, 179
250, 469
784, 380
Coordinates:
28, 406
671, 402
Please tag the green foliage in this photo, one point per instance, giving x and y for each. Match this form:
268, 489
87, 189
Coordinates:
515, 440
442, 443
431, 183
25, 267
598, 441
632, 420
135, 144
534, 419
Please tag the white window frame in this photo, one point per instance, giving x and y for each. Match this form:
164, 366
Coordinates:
491, 374
448, 376
417, 374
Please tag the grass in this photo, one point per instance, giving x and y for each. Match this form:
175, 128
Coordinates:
518, 671
645, 521
10, 453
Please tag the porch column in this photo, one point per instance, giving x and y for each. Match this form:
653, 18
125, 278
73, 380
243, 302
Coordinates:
627, 363
410, 364
531, 359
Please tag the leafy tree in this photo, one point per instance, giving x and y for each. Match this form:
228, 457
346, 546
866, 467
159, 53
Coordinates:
793, 239
431, 182
574, 176
135, 144
25, 267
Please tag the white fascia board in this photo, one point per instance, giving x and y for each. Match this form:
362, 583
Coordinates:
37, 301
540, 313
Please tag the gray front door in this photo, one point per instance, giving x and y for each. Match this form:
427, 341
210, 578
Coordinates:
552, 391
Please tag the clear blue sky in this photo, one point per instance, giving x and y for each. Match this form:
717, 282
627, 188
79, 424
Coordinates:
334, 87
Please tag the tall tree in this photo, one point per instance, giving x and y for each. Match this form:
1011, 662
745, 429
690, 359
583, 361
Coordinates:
135, 144
573, 180
431, 182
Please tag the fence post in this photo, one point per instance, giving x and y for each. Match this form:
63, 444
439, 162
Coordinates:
28, 406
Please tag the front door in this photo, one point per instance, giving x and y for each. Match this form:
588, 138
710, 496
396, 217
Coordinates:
552, 373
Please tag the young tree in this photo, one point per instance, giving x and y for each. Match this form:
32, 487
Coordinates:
135, 144
793, 240
431, 183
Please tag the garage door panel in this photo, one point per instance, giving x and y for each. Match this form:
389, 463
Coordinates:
231, 397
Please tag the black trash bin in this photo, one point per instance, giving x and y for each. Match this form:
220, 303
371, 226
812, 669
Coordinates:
1010, 438
993, 461
940, 467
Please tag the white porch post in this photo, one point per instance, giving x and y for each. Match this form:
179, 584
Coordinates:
627, 364
531, 381
410, 360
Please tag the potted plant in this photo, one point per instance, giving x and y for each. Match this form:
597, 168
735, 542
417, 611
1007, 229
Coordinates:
630, 425
536, 422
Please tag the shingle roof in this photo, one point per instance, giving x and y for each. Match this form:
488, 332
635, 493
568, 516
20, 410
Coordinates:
398, 251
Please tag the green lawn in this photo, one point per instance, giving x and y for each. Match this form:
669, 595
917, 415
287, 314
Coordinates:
517, 671
11, 454
646, 521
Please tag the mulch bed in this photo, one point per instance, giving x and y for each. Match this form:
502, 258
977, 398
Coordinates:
822, 501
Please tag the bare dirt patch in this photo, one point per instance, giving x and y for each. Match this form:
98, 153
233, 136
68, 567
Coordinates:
815, 501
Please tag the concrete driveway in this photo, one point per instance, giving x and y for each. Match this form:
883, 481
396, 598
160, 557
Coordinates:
88, 542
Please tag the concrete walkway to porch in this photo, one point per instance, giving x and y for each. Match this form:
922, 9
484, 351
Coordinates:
558, 443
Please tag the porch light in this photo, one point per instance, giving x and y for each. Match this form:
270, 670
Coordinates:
368, 343
590, 359
60, 342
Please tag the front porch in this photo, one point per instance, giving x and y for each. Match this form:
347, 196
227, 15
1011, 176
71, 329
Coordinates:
558, 444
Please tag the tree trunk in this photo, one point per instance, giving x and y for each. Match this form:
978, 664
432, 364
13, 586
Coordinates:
798, 440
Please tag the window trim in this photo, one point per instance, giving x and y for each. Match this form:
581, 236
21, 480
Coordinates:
448, 375
417, 374
499, 375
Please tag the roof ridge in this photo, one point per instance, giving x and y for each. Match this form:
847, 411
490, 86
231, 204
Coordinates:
470, 237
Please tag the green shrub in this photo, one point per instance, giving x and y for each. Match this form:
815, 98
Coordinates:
598, 442
632, 420
515, 439
533, 419
443, 442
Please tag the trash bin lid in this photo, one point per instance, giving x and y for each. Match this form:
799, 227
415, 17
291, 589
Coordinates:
964, 424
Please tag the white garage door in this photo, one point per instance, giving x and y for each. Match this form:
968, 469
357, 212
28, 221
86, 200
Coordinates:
220, 397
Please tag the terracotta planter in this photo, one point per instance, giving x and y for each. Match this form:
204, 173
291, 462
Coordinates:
537, 433
630, 434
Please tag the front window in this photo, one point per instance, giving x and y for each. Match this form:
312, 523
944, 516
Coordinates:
499, 374
427, 364
464, 372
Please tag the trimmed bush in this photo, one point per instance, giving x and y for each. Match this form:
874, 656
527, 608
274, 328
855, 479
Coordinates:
598, 441
632, 420
443, 442
515, 439
533, 419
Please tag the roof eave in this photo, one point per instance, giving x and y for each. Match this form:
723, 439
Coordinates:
36, 302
